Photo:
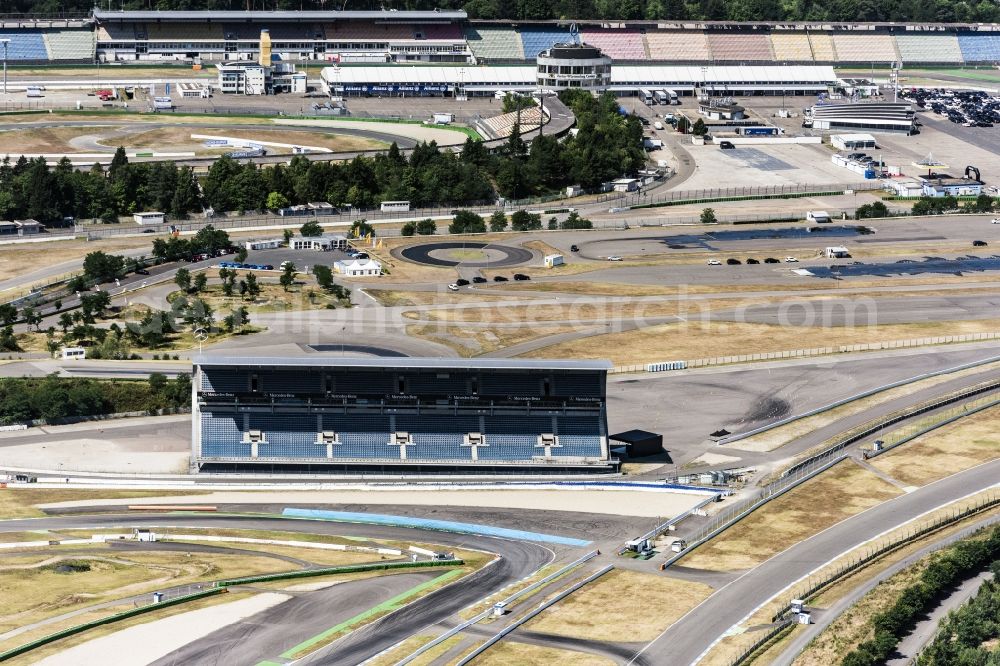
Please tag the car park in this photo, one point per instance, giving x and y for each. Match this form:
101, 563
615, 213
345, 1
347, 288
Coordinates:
521, 277
714, 262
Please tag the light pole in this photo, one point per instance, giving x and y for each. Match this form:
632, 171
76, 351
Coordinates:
5, 42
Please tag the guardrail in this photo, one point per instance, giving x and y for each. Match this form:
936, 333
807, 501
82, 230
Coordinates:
312, 573
760, 642
482, 616
529, 616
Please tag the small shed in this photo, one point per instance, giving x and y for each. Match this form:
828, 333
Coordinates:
640, 442
553, 260
150, 217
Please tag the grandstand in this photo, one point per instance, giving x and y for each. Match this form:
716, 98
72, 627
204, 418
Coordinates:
449, 36
316, 414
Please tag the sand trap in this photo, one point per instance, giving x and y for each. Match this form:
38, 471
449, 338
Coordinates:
310, 587
145, 643
605, 501
440, 134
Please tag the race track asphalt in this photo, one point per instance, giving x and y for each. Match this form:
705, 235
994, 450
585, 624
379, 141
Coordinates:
421, 254
517, 559
305, 615
687, 639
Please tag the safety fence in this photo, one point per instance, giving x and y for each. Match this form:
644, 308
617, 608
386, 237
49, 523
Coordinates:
327, 571
633, 199
664, 366
486, 613
761, 642
531, 615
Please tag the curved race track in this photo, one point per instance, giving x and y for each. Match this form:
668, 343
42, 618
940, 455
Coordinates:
423, 254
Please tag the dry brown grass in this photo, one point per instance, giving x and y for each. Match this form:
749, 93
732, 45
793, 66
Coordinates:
411, 644
179, 139
697, 339
397, 298
15, 259
605, 610
508, 652
45, 139
21, 503
949, 449
475, 341
845, 490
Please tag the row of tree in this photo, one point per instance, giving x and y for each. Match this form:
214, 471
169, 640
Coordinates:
948, 568
30, 189
964, 637
24, 399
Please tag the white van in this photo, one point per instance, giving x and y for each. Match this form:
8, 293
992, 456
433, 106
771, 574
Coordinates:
658, 125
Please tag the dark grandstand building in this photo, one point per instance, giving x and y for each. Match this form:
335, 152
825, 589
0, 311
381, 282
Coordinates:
324, 414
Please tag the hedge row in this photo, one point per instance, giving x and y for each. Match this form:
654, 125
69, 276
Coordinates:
954, 565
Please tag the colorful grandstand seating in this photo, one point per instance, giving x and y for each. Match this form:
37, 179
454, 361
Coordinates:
741, 47
678, 45
357, 31
822, 47
791, 47
929, 48
495, 43
25, 45
445, 32
979, 48
619, 44
70, 45
184, 31
536, 40
865, 47
502, 126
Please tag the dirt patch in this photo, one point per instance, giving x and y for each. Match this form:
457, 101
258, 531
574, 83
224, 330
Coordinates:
605, 609
949, 449
18, 503
846, 490
45, 139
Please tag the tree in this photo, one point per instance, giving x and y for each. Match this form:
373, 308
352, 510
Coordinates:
324, 276
8, 341
408, 229
276, 200
683, 124
102, 267
522, 220
699, 128
498, 221
65, 322
200, 282
287, 278
361, 229
236, 320
708, 216
241, 255
228, 278
94, 305
253, 287
574, 221
466, 222
872, 210
8, 314
157, 382
31, 317
183, 279
426, 227
311, 228
288, 234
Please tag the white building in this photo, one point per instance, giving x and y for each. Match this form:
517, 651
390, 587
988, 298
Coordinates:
324, 242
358, 267
853, 141
150, 217
553, 260
269, 244
625, 185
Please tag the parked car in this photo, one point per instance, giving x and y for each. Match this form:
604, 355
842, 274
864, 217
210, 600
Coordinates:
727, 145
751, 260
574, 248
141, 271
479, 279
453, 287
979, 243
995, 220
521, 277
791, 260
461, 282
614, 257
714, 262
733, 262
499, 278
771, 260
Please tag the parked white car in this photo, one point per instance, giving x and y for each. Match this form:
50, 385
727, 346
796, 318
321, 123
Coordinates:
614, 257
714, 262
791, 260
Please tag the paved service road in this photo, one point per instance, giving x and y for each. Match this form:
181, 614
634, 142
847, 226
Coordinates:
686, 640
517, 559
275, 630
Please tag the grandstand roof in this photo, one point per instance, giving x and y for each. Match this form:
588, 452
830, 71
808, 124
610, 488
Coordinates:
212, 15
407, 362
747, 74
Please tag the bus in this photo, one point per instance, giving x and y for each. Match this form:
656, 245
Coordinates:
395, 206
646, 95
